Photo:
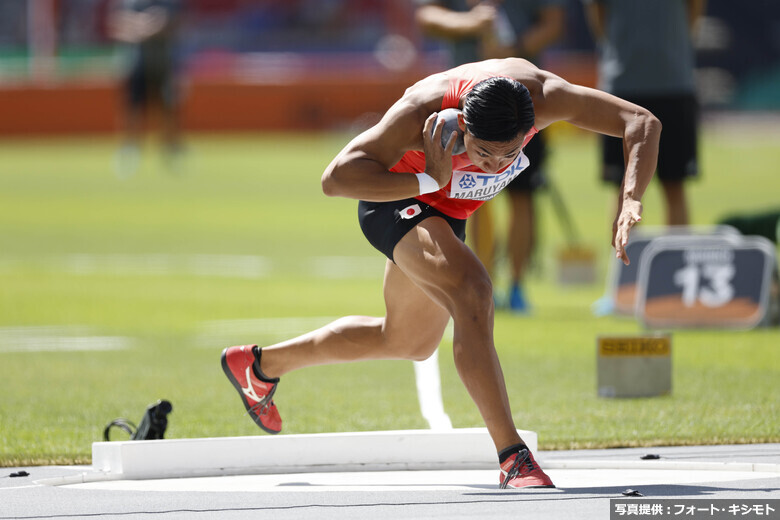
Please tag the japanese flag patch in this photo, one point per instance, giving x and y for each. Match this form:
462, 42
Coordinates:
410, 211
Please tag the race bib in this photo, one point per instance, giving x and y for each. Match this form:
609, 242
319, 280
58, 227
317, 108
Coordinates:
485, 186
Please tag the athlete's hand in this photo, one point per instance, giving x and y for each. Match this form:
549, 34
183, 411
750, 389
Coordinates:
438, 159
630, 214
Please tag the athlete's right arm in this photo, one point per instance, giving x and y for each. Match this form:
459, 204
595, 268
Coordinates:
361, 169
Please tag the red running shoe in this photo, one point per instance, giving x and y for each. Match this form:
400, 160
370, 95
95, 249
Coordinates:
521, 471
255, 394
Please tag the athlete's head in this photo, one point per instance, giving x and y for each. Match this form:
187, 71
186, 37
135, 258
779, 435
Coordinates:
497, 114
498, 109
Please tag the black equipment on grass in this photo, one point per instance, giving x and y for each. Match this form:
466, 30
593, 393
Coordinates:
153, 423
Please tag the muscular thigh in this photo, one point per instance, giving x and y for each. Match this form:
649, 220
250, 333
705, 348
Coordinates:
414, 324
441, 265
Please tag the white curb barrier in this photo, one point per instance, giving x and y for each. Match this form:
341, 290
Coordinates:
468, 448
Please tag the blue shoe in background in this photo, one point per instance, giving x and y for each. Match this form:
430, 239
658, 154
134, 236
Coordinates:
604, 306
517, 301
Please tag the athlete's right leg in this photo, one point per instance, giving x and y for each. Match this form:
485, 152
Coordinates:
412, 329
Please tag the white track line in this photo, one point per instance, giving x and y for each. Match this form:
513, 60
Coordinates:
428, 379
58, 339
249, 267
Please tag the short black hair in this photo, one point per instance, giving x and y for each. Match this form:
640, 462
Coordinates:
498, 109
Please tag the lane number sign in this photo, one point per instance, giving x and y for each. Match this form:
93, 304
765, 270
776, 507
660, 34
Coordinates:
705, 281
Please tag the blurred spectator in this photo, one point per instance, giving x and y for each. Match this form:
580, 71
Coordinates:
646, 56
148, 28
480, 30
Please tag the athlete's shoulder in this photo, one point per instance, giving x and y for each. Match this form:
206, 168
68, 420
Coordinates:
400, 128
420, 100
516, 68
427, 90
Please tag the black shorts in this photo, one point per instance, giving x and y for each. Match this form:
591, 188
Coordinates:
532, 177
677, 156
385, 223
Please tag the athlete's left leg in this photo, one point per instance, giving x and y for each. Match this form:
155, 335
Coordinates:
452, 275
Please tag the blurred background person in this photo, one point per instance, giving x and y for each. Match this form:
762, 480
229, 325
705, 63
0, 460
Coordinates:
479, 30
646, 55
148, 28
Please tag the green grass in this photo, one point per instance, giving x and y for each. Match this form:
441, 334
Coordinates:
62, 209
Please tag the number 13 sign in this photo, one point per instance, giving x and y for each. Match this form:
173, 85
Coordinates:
705, 281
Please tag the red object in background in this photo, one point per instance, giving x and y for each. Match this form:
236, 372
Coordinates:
215, 6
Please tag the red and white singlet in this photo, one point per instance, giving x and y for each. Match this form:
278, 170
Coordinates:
470, 187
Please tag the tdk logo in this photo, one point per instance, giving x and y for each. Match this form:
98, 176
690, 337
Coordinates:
467, 182
484, 186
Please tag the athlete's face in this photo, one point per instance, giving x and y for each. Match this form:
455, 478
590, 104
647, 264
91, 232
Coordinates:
491, 156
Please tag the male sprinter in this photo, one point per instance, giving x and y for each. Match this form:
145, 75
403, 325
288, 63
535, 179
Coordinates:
414, 200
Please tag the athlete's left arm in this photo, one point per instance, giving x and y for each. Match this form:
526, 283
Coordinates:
606, 114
